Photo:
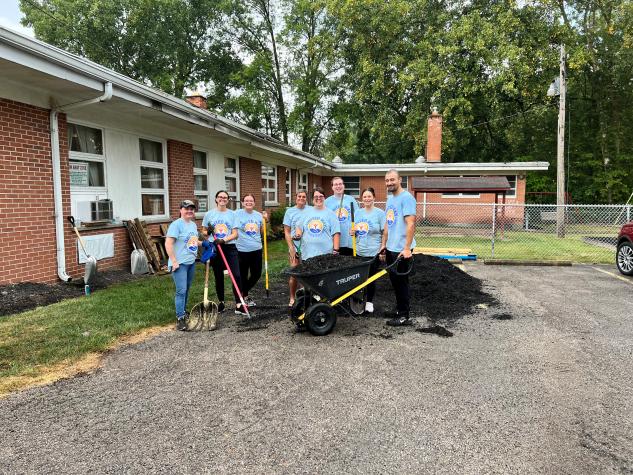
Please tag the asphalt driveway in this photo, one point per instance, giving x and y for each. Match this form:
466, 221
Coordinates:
543, 382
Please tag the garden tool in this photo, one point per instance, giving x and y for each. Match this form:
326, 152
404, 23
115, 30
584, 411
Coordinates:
265, 254
90, 270
228, 269
353, 235
204, 315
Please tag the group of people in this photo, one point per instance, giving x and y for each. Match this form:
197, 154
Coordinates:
325, 227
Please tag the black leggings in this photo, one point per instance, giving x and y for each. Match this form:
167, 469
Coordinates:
250, 263
230, 252
371, 288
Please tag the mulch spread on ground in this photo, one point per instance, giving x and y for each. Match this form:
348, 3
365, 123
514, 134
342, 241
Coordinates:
17, 298
439, 291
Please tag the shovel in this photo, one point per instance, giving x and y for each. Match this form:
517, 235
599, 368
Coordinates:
90, 270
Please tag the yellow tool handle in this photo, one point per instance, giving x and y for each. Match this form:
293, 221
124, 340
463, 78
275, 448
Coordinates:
265, 250
353, 241
205, 300
353, 291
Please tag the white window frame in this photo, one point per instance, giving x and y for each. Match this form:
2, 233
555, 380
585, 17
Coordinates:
161, 166
288, 190
513, 193
89, 157
202, 172
348, 191
234, 196
301, 184
265, 191
405, 182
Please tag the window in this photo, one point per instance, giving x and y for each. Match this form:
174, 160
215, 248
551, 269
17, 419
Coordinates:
512, 179
352, 185
288, 186
405, 182
153, 179
230, 178
200, 180
87, 162
269, 184
302, 182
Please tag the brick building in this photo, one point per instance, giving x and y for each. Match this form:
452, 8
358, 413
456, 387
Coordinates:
79, 139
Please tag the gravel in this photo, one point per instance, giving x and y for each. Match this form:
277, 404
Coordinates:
548, 390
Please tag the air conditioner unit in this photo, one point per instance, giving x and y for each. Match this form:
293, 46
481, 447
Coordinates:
91, 211
101, 210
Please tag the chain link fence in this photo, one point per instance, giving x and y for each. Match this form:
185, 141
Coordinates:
577, 233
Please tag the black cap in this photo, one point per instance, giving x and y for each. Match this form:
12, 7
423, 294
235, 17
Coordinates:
188, 204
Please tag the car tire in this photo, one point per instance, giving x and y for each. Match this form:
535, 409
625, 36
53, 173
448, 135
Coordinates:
624, 258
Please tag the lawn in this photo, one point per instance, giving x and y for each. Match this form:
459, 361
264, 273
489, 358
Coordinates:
46, 339
525, 246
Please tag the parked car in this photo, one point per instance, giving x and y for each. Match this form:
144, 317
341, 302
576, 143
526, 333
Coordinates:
624, 255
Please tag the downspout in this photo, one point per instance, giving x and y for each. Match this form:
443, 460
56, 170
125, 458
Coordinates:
57, 177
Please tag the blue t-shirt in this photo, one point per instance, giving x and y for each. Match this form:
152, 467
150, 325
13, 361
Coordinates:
223, 222
318, 228
397, 208
186, 245
293, 215
369, 228
249, 225
344, 215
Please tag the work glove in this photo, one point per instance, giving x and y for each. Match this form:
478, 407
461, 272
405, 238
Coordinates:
218, 241
208, 253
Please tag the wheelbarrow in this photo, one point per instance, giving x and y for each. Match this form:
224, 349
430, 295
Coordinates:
324, 290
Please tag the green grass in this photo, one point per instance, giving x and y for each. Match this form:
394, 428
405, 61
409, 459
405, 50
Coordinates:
34, 341
525, 246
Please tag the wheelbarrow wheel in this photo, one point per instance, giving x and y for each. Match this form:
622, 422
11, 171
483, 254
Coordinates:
320, 319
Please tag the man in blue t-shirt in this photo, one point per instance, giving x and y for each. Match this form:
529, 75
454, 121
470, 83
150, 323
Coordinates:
341, 204
400, 229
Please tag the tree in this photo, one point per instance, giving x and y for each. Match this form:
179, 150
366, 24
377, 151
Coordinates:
169, 44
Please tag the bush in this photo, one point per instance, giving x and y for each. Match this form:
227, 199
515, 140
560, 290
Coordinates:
277, 216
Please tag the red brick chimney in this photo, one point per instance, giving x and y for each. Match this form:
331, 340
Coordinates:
434, 137
197, 100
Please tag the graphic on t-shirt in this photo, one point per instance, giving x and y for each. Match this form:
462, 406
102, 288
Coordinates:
192, 243
342, 214
391, 215
362, 228
251, 229
220, 230
315, 226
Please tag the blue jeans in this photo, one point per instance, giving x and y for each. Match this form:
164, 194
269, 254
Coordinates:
183, 276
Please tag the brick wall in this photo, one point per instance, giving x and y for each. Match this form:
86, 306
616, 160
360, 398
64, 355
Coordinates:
377, 183
180, 170
251, 179
293, 190
281, 186
27, 226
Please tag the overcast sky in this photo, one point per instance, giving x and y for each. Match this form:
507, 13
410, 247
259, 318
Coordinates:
10, 16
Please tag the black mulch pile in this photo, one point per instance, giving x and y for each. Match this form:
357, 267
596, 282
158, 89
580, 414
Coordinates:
325, 263
17, 298
439, 291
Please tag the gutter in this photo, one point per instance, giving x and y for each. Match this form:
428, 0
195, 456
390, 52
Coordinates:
57, 177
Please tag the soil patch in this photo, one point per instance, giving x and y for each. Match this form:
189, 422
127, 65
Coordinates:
439, 291
437, 329
327, 262
17, 298
503, 316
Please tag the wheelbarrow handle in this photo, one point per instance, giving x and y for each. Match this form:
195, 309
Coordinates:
393, 267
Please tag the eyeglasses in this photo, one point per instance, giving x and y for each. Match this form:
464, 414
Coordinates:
224, 198
319, 197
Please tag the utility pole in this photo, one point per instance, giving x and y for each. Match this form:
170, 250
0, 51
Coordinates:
560, 153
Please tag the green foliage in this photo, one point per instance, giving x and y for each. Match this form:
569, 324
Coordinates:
277, 216
358, 78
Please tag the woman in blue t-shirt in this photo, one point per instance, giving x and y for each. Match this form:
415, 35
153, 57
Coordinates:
318, 228
369, 226
181, 244
249, 244
222, 220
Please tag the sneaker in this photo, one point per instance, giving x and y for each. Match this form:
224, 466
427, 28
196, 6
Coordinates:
181, 325
221, 307
399, 321
369, 307
391, 314
250, 302
239, 310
